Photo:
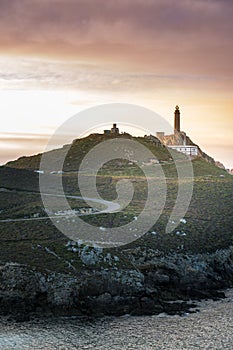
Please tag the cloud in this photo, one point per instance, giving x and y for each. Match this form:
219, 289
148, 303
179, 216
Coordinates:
162, 36
155, 52
88, 19
44, 74
20, 140
14, 145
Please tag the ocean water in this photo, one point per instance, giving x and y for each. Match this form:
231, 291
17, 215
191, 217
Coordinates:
211, 328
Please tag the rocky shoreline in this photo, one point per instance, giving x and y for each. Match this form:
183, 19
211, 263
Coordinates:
158, 283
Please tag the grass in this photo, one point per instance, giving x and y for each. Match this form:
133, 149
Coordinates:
77, 150
209, 226
209, 218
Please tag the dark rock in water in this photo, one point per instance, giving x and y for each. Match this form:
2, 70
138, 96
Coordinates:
154, 286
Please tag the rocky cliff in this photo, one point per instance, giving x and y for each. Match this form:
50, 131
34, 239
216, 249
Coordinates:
152, 287
181, 138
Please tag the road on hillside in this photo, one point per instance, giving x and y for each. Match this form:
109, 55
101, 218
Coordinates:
111, 207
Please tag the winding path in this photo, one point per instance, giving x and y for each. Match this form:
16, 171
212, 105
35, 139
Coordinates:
111, 207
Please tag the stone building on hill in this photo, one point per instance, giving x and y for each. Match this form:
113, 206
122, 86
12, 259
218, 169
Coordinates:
113, 130
179, 141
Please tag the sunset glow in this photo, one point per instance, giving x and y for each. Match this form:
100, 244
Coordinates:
59, 57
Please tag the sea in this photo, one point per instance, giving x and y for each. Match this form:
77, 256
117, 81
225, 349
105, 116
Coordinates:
209, 328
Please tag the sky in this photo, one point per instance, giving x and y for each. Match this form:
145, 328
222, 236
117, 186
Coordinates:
59, 57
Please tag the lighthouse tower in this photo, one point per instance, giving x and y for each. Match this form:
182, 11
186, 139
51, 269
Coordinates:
177, 120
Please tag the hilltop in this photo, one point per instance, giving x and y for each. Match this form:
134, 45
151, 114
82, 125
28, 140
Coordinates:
79, 147
203, 164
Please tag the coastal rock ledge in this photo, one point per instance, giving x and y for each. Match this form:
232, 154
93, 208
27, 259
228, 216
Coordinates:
157, 283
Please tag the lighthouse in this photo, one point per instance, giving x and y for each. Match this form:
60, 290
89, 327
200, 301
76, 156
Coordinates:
177, 120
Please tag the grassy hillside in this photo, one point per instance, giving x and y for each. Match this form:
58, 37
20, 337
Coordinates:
208, 224
208, 227
77, 150
80, 147
20, 179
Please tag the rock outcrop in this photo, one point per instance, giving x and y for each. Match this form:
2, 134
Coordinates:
220, 165
179, 139
152, 287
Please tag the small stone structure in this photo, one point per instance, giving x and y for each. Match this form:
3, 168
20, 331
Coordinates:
114, 130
